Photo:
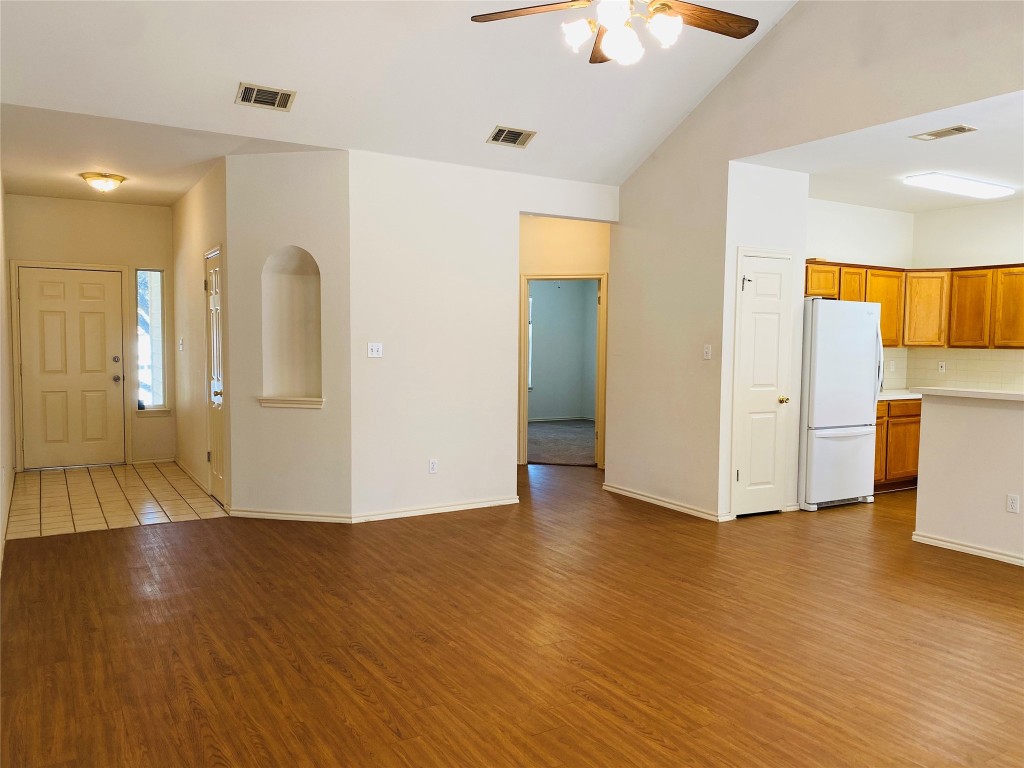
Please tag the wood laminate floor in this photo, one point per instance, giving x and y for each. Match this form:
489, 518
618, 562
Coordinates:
576, 629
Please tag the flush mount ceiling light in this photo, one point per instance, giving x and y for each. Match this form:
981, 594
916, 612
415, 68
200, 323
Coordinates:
955, 185
614, 31
104, 182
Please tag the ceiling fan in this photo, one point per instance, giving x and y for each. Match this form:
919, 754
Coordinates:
616, 39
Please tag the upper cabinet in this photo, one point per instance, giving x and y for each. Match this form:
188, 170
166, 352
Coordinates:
927, 309
852, 283
885, 287
822, 280
970, 308
1008, 314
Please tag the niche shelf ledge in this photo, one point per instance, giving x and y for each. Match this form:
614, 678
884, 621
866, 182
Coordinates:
291, 402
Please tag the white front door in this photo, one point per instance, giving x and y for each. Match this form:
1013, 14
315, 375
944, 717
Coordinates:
761, 407
215, 370
72, 369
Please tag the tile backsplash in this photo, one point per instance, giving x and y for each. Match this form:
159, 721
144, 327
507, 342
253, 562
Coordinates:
895, 374
1001, 369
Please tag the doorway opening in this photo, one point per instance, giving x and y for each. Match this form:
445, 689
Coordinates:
563, 370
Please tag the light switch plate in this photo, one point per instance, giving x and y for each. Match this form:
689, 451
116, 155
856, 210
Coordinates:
707, 351
375, 349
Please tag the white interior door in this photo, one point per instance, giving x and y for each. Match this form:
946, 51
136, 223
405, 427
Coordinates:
764, 322
72, 370
215, 370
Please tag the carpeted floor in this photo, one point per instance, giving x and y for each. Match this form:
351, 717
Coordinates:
561, 442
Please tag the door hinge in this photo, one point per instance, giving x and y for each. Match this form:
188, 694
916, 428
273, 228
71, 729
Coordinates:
737, 475
599, 299
206, 285
209, 455
744, 281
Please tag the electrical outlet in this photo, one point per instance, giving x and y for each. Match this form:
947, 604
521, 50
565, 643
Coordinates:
892, 366
942, 366
432, 467
375, 349
707, 351
1012, 502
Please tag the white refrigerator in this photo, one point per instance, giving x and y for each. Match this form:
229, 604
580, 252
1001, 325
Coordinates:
842, 378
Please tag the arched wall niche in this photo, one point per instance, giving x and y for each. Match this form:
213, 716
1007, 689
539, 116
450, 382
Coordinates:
291, 330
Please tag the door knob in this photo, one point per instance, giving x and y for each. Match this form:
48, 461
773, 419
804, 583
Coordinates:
117, 358
783, 399
116, 378
218, 393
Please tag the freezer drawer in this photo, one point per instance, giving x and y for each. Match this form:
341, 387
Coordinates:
840, 464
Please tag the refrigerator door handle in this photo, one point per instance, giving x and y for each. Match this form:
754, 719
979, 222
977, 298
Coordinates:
880, 364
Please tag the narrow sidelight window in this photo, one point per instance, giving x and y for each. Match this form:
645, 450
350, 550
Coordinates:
150, 286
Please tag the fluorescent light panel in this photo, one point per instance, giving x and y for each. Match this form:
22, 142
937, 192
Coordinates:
955, 185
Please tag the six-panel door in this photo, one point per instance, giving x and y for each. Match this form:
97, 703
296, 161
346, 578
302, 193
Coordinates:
72, 367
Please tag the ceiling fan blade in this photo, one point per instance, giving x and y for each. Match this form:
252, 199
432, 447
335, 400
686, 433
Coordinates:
597, 55
723, 23
499, 15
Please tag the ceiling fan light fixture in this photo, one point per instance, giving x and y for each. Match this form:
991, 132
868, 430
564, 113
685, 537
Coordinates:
622, 44
103, 182
665, 27
577, 33
613, 14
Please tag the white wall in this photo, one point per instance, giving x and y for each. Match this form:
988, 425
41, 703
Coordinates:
669, 252
435, 278
199, 225
564, 349
859, 235
975, 235
49, 229
288, 461
767, 211
961, 494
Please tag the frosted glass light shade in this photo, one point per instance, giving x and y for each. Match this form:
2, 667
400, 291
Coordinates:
612, 13
666, 28
577, 33
622, 44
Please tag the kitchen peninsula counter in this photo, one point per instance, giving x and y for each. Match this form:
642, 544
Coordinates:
971, 460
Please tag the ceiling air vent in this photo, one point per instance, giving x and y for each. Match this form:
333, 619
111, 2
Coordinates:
943, 133
510, 137
261, 96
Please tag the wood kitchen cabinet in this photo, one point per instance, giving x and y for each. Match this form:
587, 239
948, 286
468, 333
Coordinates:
926, 309
822, 280
897, 440
970, 307
852, 283
1008, 309
885, 286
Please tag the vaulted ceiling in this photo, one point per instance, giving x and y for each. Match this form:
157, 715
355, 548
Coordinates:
408, 78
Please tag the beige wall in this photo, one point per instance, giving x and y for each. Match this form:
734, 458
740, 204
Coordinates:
199, 224
552, 246
288, 461
6, 390
974, 235
47, 229
825, 69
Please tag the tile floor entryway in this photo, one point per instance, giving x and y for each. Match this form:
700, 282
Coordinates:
53, 501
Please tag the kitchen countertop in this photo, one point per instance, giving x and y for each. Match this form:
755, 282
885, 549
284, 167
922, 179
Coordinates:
898, 394
982, 394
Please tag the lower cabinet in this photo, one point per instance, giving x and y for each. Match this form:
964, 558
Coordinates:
897, 440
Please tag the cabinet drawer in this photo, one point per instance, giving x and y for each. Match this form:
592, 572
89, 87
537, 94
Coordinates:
882, 410
898, 408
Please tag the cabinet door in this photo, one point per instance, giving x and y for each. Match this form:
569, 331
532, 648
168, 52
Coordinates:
970, 308
902, 444
885, 286
1008, 315
851, 283
926, 309
881, 433
822, 280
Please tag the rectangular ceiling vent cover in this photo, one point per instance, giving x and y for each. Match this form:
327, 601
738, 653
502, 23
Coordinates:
262, 96
510, 137
943, 133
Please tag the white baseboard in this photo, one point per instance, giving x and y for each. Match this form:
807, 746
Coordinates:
416, 511
791, 508
275, 514
971, 549
195, 479
701, 513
